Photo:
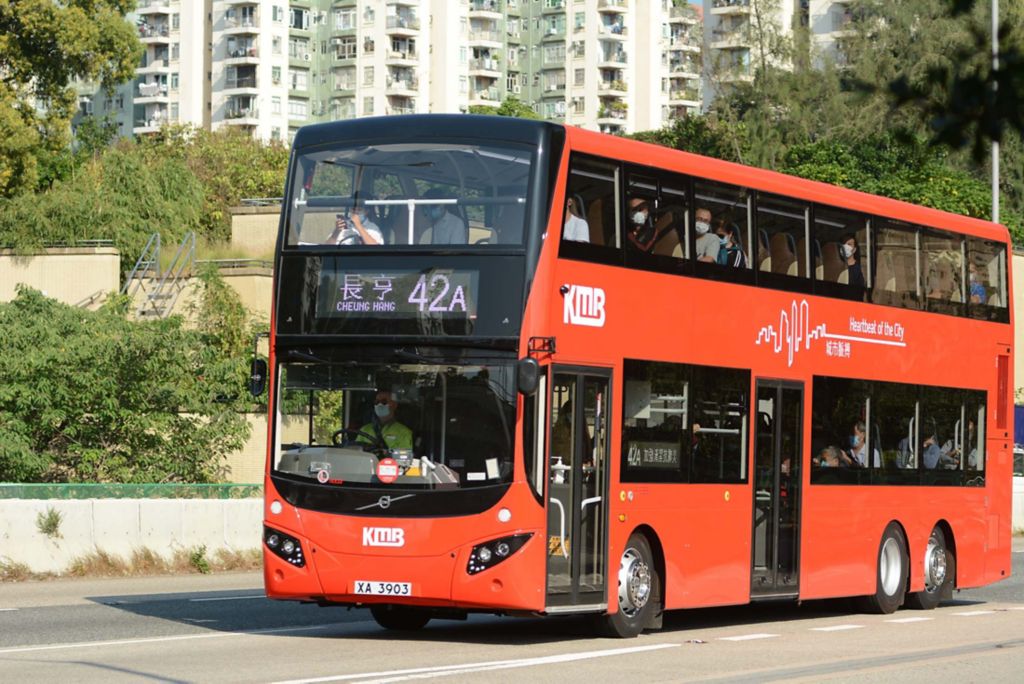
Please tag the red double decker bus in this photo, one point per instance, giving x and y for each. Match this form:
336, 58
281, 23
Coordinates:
522, 368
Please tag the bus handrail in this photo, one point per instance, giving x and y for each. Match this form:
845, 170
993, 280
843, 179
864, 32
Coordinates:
561, 531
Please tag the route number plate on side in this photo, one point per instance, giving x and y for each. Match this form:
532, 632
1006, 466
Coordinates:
375, 588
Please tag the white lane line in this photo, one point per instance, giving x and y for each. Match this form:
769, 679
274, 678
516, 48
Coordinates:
910, 619
226, 598
157, 640
970, 613
748, 637
4, 610
446, 670
836, 628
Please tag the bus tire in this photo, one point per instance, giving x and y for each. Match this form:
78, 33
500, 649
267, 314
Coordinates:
939, 571
638, 591
400, 618
891, 573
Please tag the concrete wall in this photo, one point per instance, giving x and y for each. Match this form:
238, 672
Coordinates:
80, 276
254, 230
120, 526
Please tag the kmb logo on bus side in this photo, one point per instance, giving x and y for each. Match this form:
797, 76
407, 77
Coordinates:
383, 536
583, 305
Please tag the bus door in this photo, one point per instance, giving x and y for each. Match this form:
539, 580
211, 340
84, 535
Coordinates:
777, 456
577, 491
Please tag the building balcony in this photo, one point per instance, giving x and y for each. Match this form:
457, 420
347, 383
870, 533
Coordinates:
484, 96
248, 116
149, 7
404, 3
684, 41
730, 7
485, 9
611, 89
344, 85
684, 96
730, 40
151, 93
245, 85
484, 38
683, 70
242, 55
553, 89
485, 66
612, 60
683, 15
400, 58
736, 74
239, 3
613, 6
241, 27
612, 114
403, 87
841, 25
154, 34
613, 31
553, 6
154, 66
402, 26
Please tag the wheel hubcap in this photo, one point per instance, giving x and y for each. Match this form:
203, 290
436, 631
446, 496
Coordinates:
890, 567
634, 583
934, 566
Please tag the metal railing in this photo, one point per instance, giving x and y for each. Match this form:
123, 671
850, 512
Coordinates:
93, 490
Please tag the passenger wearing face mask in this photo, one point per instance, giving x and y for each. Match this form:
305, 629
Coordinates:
730, 251
641, 231
355, 228
708, 244
384, 426
851, 255
446, 228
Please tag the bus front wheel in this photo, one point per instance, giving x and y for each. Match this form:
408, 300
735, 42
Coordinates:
891, 573
939, 571
400, 618
638, 591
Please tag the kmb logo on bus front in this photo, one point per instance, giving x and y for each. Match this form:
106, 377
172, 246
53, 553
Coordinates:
583, 305
383, 536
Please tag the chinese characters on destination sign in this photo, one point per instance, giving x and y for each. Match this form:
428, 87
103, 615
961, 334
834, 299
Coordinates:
399, 294
653, 455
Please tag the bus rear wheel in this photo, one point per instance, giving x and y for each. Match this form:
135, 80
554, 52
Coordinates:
890, 575
638, 591
939, 571
400, 618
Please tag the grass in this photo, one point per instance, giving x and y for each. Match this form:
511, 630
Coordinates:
48, 523
143, 562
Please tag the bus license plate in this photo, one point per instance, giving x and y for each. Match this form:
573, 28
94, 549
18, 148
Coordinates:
374, 588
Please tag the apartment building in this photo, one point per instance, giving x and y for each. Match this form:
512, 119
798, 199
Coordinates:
271, 66
730, 37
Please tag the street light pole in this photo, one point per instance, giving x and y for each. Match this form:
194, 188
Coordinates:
995, 87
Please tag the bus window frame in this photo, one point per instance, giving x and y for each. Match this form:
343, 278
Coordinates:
636, 259
777, 281
835, 290
949, 307
587, 251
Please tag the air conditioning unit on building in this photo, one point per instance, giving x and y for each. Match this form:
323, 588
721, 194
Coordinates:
306, 57
517, 88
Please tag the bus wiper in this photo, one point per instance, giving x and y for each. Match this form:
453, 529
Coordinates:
296, 354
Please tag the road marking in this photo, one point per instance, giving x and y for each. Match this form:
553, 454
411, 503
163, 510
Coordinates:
910, 619
466, 668
4, 610
748, 637
157, 640
836, 628
226, 598
975, 612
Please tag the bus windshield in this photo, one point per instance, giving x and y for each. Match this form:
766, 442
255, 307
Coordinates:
412, 193
387, 425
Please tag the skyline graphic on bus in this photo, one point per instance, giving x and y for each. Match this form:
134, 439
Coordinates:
795, 328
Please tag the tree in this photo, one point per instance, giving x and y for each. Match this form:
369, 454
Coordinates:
44, 46
94, 396
512, 106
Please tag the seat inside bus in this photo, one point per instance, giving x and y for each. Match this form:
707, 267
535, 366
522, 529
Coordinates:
783, 254
833, 266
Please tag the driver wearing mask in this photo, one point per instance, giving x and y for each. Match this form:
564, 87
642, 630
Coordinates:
708, 243
641, 230
384, 426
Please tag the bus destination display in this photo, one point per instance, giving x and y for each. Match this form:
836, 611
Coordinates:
399, 294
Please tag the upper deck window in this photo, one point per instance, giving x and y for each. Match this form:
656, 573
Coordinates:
986, 280
410, 194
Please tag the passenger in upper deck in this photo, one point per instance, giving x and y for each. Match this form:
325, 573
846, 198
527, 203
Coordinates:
730, 251
851, 255
708, 244
576, 229
641, 231
446, 228
355, 229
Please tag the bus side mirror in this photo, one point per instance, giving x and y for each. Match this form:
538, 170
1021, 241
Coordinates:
527, 375
257, 377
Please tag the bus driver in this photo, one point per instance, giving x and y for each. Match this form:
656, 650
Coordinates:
384, 426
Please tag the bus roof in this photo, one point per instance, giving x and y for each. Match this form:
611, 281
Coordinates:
425, 126
649, 154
